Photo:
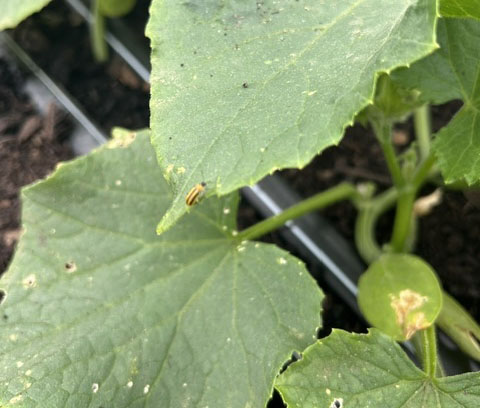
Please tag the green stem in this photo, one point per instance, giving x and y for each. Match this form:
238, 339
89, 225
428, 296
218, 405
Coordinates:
406, 194
429, 351
421, 121
383, 132
368, 213
321, 200
97, 33
423, 172
403, 218
406, 199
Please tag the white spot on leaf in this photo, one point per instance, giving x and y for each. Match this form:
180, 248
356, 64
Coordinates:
16, 399
30, 281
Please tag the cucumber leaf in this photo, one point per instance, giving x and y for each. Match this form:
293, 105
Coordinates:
453, 72
12, 12
460, 8
370, 370
99, 311
240, 89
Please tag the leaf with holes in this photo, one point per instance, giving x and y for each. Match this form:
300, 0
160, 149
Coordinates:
12, 12
370, 370
240, 89
100, 311
453, 72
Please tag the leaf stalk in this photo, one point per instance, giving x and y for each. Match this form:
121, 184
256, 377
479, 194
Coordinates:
343, 191
368, 213
429, 351
422, 126
97, 33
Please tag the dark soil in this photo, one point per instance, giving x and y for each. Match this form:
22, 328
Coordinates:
30, 146
111, 94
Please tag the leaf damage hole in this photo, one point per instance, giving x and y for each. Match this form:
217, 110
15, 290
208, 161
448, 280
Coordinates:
337, 403
296, 356
276, 400
3, 296
70, 266
30, 281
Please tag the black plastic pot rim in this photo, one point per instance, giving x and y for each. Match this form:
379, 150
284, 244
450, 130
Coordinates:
311, 235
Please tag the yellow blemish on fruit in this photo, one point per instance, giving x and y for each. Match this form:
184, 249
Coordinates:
404, 306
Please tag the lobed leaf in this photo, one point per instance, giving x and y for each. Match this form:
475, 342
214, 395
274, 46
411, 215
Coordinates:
12, 12
101, 312
453, 72
240, 89
357, 370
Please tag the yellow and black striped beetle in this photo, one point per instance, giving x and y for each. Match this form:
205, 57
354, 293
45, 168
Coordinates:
195, 194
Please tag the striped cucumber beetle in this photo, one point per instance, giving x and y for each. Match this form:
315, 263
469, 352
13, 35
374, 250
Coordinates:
195, 194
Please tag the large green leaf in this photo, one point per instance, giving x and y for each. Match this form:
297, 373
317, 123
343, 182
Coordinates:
13, 12
240, 89
453, 72
460, 8
357, 370
101, 312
